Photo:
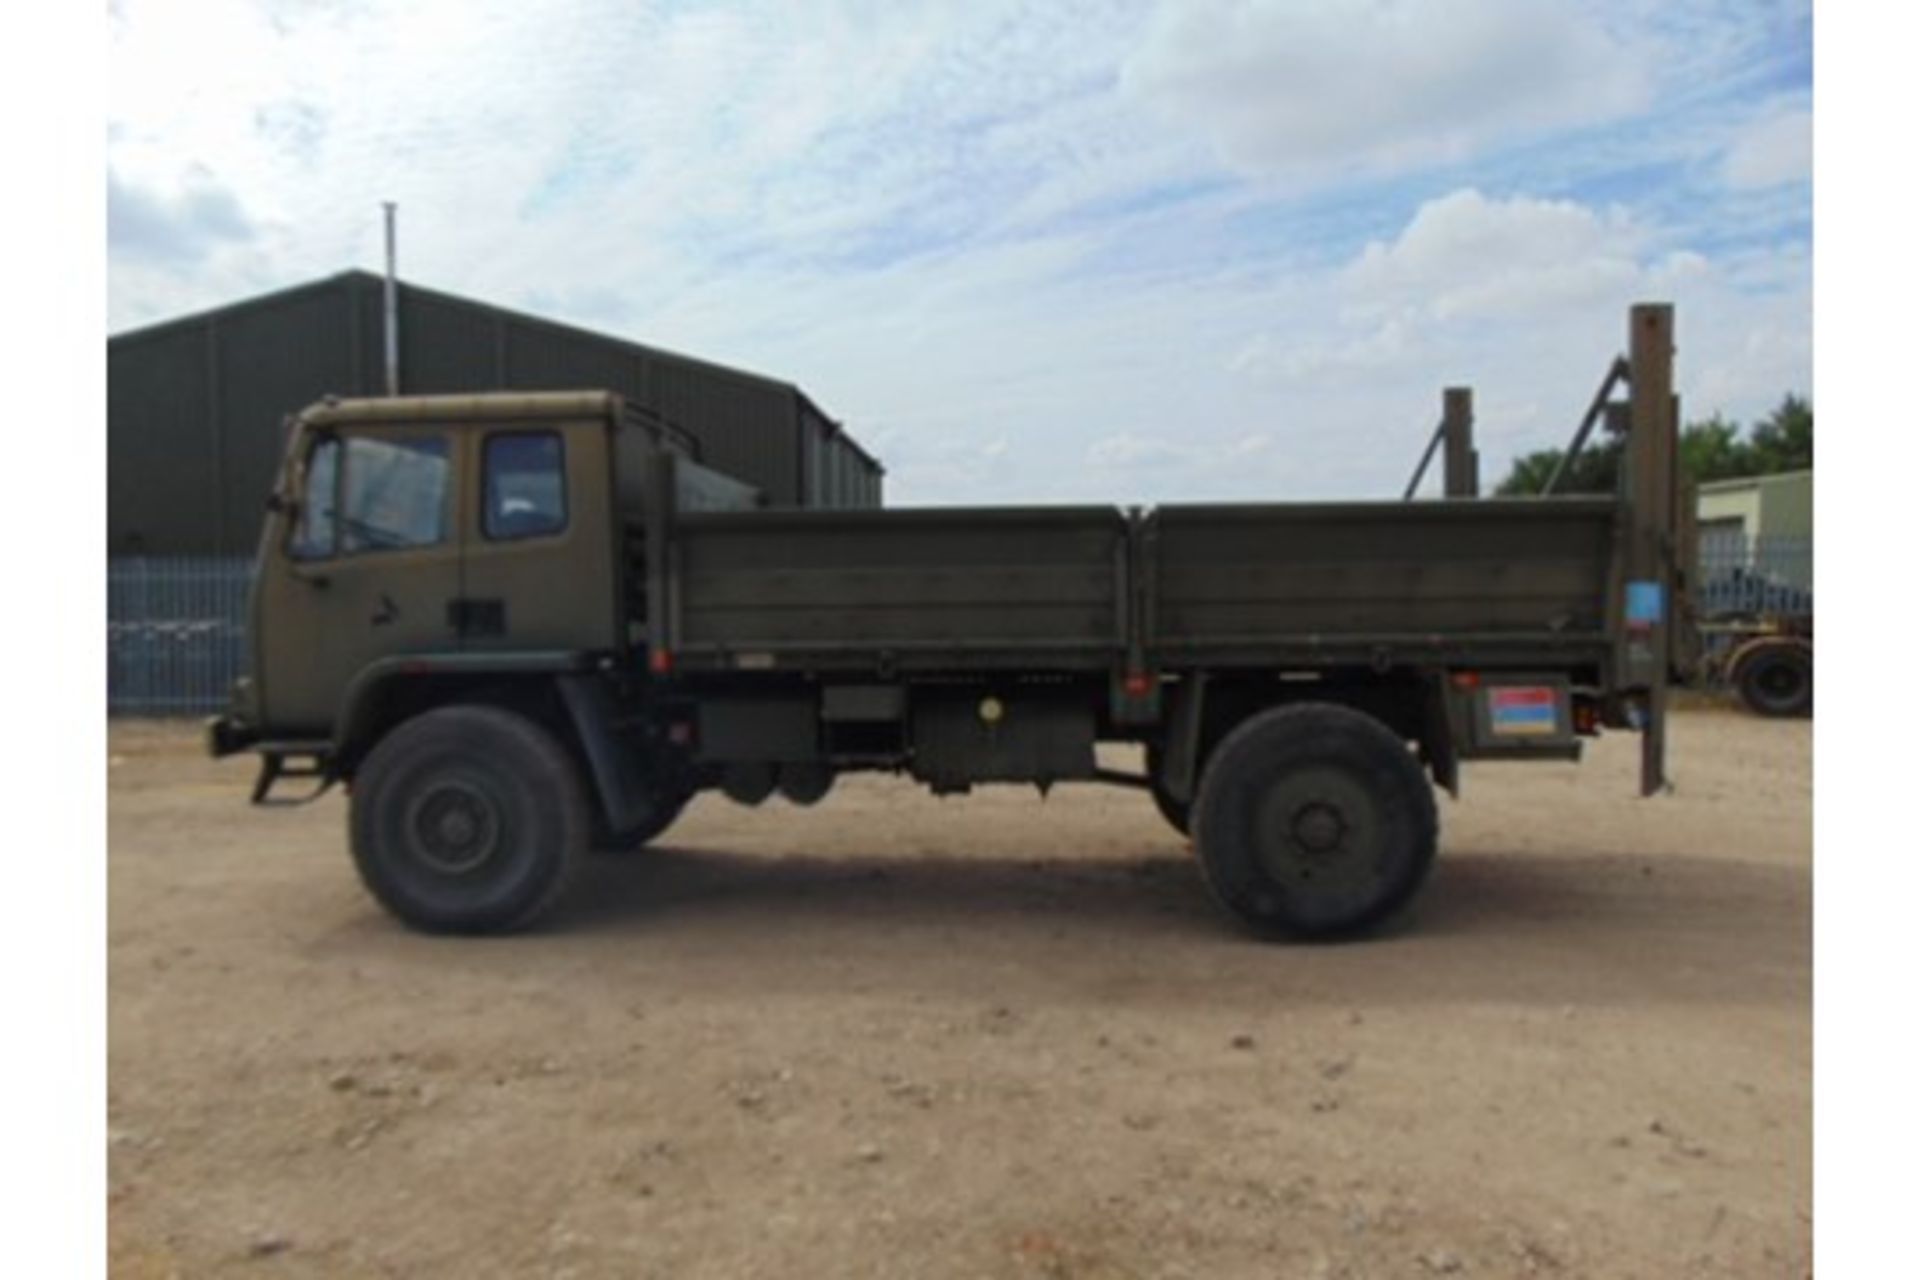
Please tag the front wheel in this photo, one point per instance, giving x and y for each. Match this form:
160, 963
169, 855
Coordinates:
468, 819
1314, 821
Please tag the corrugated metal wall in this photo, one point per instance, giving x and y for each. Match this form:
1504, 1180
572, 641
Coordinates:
162, 492
746, 426
816, 449
444, 346
268, 361
195, 405
835, 471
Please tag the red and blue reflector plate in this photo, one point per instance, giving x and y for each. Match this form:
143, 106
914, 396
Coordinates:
1523, 711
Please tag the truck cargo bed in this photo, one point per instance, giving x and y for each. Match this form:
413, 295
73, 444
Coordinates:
1079, 588
1009, 585
1262, 584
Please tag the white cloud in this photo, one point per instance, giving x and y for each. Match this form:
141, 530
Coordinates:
1776, 149
1465, 255
1334, 84
1128, 450
545, 146
995, 239
1380, 348
178, 224
1525, 300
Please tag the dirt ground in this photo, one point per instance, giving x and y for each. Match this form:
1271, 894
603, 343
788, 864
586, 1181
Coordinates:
993, 1036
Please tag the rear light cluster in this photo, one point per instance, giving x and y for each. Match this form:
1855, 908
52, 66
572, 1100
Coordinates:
1586, 718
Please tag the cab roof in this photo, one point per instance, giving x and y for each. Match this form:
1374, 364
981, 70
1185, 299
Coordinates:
483, 406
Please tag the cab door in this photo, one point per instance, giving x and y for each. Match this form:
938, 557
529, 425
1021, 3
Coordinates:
538, 571
367, 568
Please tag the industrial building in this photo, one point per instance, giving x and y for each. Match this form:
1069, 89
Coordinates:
1775, 506
195, 405
195, 408
1762, 524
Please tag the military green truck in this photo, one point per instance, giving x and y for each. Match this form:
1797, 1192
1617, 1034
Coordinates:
519, 627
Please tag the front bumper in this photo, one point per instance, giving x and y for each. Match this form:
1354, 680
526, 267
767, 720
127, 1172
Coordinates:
226, 736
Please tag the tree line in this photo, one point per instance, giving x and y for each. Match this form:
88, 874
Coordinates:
1714, 449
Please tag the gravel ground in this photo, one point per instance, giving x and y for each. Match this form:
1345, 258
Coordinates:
993, 1036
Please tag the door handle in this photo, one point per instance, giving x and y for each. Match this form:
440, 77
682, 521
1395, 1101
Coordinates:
312, 577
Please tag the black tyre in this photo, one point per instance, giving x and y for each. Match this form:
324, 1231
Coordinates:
1777, 680
1178, 813
468, 819
1314, 821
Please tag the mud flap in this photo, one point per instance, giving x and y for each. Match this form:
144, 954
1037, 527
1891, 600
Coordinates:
618, 781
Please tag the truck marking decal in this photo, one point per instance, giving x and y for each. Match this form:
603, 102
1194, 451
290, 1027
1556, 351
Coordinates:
1523, 711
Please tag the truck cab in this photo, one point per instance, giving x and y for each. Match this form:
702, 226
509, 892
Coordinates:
428, 536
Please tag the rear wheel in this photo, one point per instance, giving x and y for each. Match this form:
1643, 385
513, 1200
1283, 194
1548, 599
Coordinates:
468, 819
1777, 680
1314, 821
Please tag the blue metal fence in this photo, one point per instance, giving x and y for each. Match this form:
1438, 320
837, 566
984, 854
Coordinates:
1755, 576
176, 633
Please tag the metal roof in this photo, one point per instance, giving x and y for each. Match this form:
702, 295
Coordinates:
367, 279
1735, 483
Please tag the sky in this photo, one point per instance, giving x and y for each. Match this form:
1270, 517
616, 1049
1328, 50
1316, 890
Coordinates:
1046, 252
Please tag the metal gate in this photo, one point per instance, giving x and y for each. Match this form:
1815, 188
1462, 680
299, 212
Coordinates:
176, 633
1741, 575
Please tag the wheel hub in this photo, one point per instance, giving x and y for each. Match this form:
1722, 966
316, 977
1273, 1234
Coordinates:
1318, 827
454, 828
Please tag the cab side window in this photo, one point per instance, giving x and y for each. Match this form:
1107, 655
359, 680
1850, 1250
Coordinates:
313, 537
369, 494
394, 494
526, 485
